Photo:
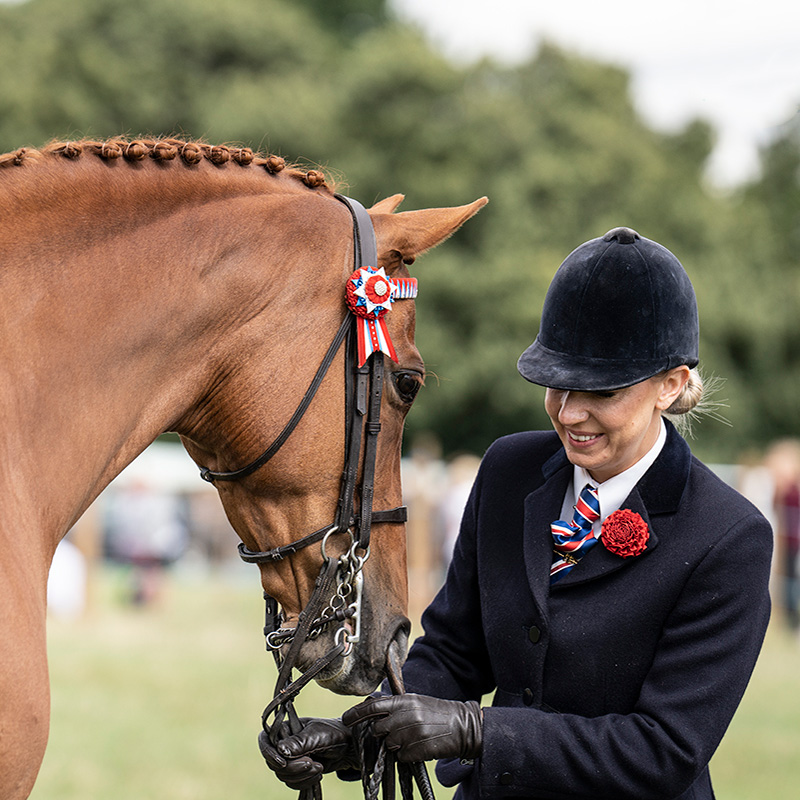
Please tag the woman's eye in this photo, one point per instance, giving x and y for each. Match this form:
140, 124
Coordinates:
408, 384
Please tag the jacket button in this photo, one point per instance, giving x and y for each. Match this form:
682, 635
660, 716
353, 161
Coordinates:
527, 697
506, 779
534, 634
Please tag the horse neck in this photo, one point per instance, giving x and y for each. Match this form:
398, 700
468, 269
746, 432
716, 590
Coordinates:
117, 312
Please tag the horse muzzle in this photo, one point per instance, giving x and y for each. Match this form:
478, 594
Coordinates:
361, 668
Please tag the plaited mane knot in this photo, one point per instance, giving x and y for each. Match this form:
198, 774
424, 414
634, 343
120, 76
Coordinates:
274, 164
110, 150
314, 178
243, 156
219, 154
136, 151
164, 150
69, 149
191, 153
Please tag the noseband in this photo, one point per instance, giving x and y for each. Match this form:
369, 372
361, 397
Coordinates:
336, 597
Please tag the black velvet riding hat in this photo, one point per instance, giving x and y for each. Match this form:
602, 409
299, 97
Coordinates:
619, 310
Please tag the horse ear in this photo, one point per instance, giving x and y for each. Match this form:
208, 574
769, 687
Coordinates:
387, 206
404, 236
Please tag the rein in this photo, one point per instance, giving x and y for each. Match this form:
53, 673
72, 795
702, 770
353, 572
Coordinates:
336, 597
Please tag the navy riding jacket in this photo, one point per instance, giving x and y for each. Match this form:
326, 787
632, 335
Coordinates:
620, 681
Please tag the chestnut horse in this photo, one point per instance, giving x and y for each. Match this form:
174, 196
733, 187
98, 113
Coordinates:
161, 285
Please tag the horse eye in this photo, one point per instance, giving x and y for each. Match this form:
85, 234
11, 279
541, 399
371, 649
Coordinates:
408, 384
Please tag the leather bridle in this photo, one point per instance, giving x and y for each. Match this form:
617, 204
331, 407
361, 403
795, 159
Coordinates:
336, 597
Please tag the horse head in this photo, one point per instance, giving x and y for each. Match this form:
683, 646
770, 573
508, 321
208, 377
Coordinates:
287, 507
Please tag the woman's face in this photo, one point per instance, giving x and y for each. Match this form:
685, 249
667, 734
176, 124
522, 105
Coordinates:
607, 432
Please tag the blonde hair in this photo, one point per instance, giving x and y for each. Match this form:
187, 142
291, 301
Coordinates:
690, 396
695, 401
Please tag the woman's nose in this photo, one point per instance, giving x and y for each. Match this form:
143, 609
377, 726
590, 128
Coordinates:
571, 410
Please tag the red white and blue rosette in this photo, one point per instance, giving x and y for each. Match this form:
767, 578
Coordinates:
369, 295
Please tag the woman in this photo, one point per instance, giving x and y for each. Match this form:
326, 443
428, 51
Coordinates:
618, 637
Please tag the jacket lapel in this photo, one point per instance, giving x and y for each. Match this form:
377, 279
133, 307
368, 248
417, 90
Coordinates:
543, 506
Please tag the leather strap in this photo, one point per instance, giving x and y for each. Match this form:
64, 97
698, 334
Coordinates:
398, 515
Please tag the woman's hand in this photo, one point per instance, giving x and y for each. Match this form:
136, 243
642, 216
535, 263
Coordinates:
323, 745
422, 728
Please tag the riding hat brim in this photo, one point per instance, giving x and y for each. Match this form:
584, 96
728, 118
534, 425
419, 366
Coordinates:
572, 373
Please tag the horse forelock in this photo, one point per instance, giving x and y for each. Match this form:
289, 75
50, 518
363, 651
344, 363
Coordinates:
189, 153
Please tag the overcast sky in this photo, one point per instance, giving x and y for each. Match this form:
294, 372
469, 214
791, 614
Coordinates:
734, 63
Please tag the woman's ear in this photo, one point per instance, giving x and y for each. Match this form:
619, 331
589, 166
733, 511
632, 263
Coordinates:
672, 384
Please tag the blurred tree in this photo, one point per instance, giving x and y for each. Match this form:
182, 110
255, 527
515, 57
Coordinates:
756, 334
777, 192
348, 18
105, 67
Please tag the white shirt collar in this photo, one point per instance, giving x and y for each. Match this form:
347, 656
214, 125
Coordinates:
612, 493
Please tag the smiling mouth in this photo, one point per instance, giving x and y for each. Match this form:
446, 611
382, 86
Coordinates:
583, 438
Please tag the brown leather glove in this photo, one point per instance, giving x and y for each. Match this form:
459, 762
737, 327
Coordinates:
422, 728
323, 745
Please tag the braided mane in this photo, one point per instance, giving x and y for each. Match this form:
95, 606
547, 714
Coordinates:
190, 153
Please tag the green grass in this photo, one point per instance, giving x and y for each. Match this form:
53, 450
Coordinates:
760, 755
166, 703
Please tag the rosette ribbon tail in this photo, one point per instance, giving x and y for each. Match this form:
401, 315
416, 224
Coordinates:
373, 337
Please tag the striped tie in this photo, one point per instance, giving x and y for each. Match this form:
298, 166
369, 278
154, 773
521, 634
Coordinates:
574, 539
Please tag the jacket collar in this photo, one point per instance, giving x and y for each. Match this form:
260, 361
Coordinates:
658, 492
663, 485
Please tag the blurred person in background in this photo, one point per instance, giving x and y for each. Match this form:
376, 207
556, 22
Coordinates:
67, 581
606, 586
788, 509
146, 528
461, 472
783, 461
